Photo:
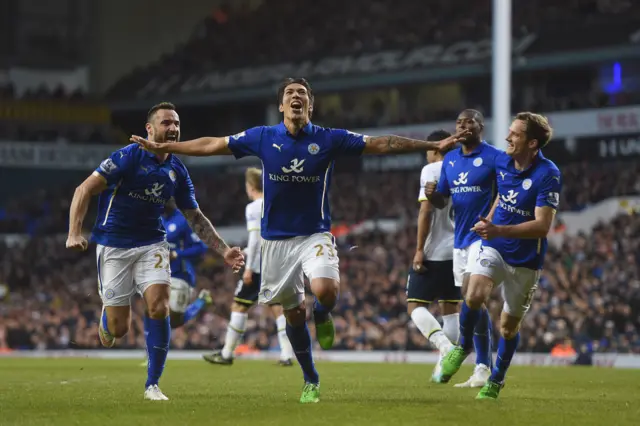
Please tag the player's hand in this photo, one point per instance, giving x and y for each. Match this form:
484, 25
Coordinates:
430, 188
154, 147
449, 142
173, 255
77, 242
417, 262
234, 258
485, 229
247, 276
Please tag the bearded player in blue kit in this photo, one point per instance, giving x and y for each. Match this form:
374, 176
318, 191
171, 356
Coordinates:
514, 244
132, 252
468, 177
298, 159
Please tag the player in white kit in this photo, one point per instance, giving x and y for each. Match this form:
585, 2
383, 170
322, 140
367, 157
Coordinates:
246, 294
431, 277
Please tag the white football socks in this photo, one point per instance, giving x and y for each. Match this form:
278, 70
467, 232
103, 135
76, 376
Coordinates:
286, 351
451, 327
235, 330
430, 328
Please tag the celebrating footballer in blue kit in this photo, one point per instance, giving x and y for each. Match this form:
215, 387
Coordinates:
468, 178
298, 159
514, 244
132, 252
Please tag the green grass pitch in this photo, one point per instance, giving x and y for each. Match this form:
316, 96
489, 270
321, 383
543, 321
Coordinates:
96, 392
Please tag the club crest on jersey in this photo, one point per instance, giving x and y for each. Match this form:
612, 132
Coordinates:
313, 148
172, 227
477, 162
172, 176
526, 184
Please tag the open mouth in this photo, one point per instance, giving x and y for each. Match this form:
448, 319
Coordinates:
172, 137
296, 106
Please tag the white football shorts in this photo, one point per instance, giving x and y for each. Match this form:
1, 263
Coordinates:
463, 259
124, 271
286, 262
518, 284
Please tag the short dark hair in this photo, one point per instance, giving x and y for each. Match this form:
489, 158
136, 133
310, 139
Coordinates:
156, 107
479, 117
438, 135
538, 127
288, 81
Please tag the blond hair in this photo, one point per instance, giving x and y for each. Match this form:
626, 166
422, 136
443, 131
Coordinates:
538, 127
253, 176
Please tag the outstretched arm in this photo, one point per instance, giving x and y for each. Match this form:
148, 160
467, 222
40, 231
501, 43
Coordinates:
205, 230
391, 144
208, 234
201, 147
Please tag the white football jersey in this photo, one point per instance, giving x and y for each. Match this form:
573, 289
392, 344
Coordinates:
253, 214
439, 243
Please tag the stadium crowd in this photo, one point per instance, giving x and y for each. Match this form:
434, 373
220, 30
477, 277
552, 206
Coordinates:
387, 195
589, 291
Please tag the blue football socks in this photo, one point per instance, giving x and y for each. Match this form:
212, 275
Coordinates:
301, 342
320, 312
468, 320
482, 339
157, 335
506, 351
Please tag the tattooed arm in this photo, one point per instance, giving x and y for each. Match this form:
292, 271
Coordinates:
205, 230
391, 144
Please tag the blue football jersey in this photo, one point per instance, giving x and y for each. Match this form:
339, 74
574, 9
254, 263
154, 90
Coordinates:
520, 193
469, 180
138, 186
187, 246
296, 174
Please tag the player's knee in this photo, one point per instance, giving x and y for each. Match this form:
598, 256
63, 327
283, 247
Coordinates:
326, 291
158, 308
239, 307
118, 327
477, 292
411, 306
296, 316
508, 332
509, 326
474, 300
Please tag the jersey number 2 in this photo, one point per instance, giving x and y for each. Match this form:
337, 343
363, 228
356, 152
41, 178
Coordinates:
159, 262
320, 250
